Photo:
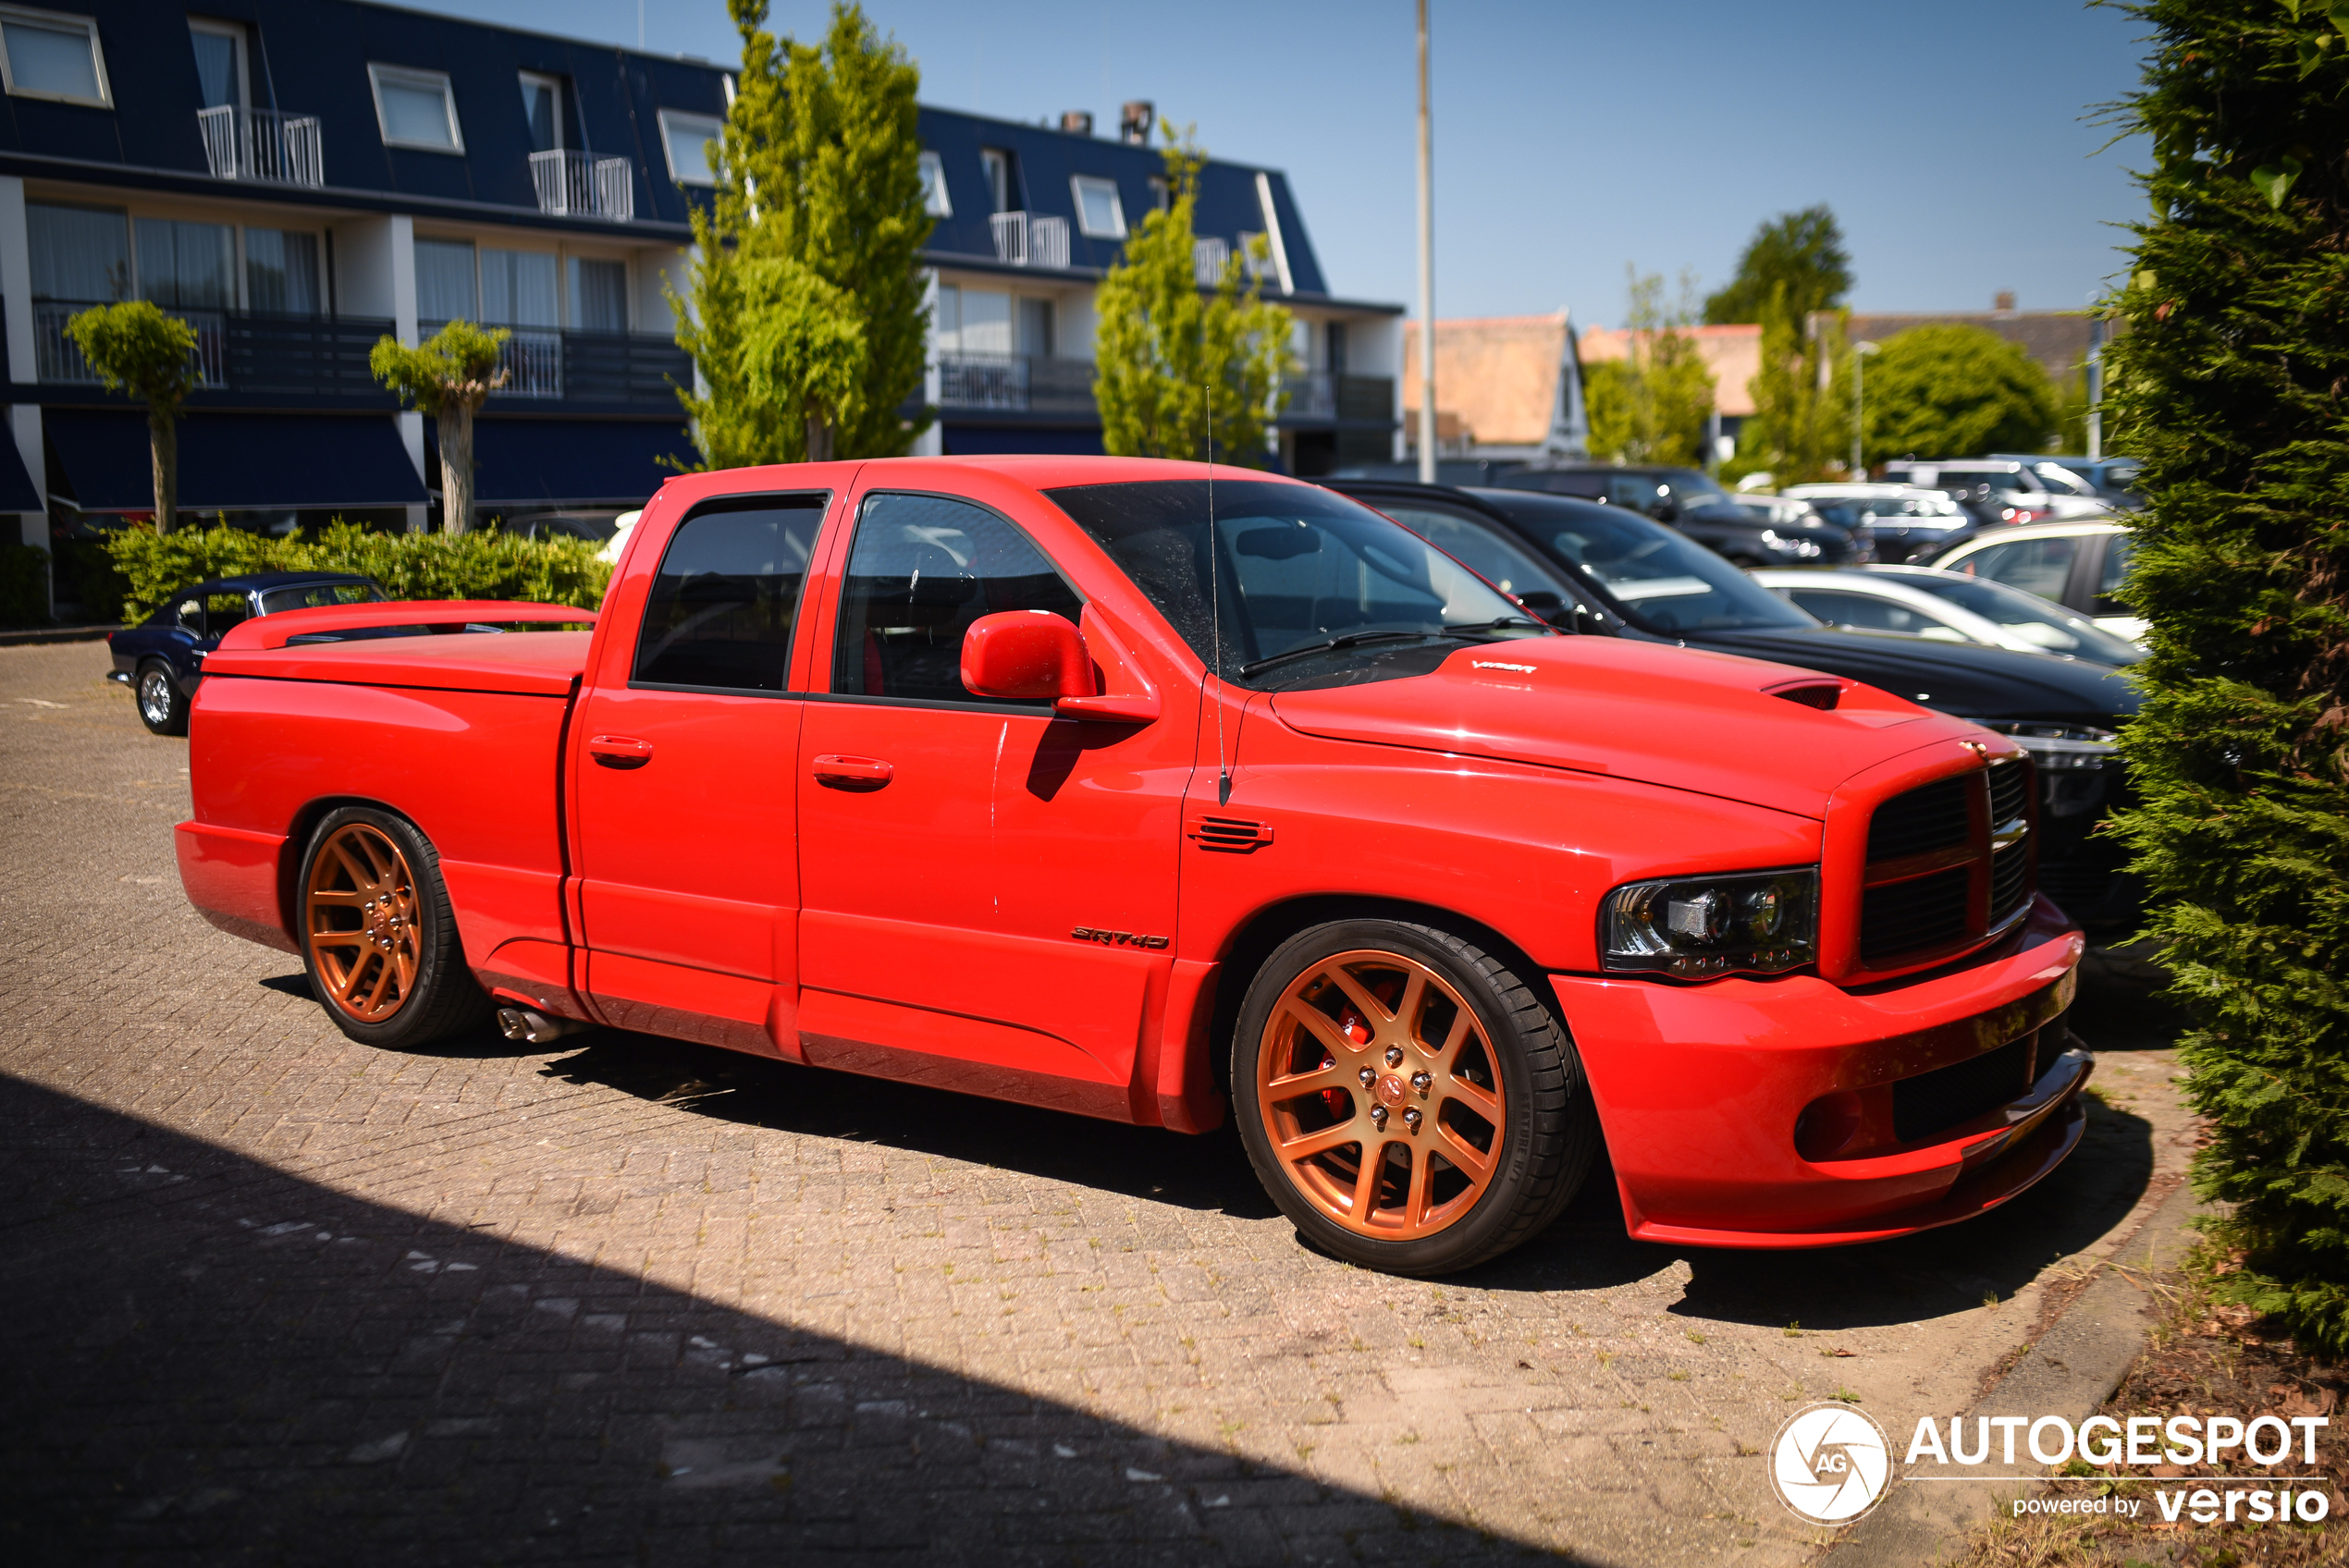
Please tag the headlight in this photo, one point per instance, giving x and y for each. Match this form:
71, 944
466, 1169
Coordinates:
1801, 549
1696, 927
2057, 747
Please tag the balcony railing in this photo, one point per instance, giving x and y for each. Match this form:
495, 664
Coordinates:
1026, 239
312, 357
1016, 383
580, 185
262, 144
58, 358
1209, 258
1320, 396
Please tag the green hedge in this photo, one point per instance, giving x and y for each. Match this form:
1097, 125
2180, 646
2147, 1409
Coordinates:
482, 565
24, 585
2230, 378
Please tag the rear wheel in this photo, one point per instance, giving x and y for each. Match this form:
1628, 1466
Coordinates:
378, 937
1408, 1102
163, 707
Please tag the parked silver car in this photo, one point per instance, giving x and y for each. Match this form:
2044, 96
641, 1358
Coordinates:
1909, 524
1948, 607
2018, 490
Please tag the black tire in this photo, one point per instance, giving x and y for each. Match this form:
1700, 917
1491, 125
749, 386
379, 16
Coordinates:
163, 707
1547, 1131
440, 997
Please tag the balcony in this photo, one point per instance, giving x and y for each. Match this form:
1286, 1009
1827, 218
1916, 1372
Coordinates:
580, 185
1015, 384
261, 146
1209, 258
306, 357
1320, 397
1024, 239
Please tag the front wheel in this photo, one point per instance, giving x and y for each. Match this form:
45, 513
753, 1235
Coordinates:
1406, 1100
163, 707
378, 937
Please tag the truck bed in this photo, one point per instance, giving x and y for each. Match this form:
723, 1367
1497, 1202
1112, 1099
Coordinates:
465, 731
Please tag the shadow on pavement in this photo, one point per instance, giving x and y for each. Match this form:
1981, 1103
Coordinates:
207, 1358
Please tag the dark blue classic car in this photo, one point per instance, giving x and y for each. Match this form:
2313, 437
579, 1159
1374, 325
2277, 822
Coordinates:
162, 660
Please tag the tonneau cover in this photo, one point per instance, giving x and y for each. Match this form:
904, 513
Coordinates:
543, 664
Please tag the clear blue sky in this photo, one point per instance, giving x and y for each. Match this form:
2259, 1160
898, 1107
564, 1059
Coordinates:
1952, 140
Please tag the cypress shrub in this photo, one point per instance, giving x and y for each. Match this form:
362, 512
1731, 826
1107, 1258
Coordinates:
24, 585
2232, 378
486, 564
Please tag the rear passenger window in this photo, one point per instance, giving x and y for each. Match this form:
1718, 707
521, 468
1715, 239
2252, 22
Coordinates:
2116, 567
2035, 565
923, 568
720, 613
222, 611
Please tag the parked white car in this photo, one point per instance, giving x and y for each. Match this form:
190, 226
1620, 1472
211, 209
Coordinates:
1947, 607
2077, 565
1909, 524
2023, 488
618, 540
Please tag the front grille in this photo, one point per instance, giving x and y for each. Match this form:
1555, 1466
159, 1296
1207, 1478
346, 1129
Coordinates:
2010, 880
2009, 792
1923, 912
1923, 820
1929, 1102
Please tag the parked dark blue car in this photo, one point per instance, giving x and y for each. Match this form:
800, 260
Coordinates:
162, 660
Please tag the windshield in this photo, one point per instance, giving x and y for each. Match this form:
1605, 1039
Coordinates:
1666, 580
2029, 616
1292, 570
320, 595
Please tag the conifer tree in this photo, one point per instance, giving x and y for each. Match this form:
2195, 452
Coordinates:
2229, 374
804, 311
1167, 349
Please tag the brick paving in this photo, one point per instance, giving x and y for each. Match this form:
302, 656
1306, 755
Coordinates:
274, 1296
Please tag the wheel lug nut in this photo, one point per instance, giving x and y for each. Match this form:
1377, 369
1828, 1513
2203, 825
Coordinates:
1368, 1077
1378, 1116
1411, 1119
1394, 1056
1422, 1082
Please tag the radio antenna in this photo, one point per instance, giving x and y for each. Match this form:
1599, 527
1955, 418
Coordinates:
1215, 597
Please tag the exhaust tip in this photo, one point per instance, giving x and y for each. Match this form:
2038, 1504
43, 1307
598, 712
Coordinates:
533, 1027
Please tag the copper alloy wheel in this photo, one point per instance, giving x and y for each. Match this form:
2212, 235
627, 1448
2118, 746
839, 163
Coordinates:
1379, 1095
360, 913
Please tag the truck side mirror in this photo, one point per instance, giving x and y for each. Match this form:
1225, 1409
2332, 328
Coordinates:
1026, 655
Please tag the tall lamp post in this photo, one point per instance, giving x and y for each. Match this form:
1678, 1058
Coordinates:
1427, 271
1860, 353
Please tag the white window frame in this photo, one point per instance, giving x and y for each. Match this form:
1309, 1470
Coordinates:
935, 202
668, 151
235, 33
1077, 188
409, 75
63, 22
555, 85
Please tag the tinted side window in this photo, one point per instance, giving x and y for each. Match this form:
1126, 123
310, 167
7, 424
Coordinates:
222, 611
1866, 612
2035, 565
923, 568
1502, 563
721, 608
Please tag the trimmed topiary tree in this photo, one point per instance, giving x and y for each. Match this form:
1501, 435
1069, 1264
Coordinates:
2231, 377
448, 376
138, 349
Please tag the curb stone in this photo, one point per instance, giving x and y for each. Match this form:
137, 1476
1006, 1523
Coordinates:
2070, 1370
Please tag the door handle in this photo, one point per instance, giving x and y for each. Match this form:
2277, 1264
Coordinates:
853, 773
620, 751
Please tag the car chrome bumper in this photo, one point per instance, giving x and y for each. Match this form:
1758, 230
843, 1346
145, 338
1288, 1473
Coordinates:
1699, 1089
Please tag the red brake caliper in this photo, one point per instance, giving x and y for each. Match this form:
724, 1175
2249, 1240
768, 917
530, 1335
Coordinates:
1358, 1029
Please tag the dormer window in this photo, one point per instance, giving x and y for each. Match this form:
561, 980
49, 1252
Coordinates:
935, 201
1099, 211
51, 54
416, 109
220, 63
688, 137
542, 108
995, 167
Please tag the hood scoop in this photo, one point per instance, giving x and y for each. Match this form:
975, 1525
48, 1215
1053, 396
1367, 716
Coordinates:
1682, 718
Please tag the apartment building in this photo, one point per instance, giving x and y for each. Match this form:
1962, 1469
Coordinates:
298, 179
1029, 217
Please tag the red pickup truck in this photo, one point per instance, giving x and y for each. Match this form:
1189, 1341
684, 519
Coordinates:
1131, 788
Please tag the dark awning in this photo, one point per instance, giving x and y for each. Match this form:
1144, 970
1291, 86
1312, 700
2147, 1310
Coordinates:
236, 461
17, 494
574, 463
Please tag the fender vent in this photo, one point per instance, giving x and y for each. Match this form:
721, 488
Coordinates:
1233, 835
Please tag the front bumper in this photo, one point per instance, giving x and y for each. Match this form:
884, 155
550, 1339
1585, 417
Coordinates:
1700, 1088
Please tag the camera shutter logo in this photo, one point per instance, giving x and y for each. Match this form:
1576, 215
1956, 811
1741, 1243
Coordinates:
1830, 1464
